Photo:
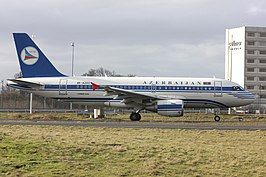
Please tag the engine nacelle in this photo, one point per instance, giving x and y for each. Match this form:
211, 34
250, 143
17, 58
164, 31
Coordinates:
173, 108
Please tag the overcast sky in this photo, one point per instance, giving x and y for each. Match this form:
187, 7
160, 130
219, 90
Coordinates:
142, 37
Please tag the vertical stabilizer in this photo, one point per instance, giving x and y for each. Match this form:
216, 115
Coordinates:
33, 63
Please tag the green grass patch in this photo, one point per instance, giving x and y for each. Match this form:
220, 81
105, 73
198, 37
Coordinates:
86, 151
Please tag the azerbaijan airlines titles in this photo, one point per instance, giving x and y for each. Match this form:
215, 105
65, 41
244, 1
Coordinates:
176, 83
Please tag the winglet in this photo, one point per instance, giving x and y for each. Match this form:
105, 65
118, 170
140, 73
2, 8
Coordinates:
94, 86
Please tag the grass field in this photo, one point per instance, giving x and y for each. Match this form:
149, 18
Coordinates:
145, 117
84, 151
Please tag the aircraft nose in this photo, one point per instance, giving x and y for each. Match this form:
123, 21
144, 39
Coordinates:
249, 97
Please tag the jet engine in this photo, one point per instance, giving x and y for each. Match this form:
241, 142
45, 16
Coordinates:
173, 108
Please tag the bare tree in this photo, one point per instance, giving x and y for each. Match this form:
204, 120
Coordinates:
100, 72
104, 72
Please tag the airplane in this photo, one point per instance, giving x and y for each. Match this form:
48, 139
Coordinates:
167, 96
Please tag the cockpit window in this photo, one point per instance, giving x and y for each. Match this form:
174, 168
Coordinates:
237, 88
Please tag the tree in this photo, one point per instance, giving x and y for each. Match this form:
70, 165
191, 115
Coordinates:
100, 72
104, 72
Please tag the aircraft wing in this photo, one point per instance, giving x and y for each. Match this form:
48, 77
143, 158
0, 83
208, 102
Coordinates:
130, 96
122, 93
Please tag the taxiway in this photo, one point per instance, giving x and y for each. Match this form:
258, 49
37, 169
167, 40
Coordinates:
188, 125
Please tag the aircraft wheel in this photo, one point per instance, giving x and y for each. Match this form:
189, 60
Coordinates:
135, 116
217, 118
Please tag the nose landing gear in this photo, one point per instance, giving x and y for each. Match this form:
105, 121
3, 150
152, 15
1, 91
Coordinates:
217, 118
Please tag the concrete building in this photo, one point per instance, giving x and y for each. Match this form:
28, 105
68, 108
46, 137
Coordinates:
245, 61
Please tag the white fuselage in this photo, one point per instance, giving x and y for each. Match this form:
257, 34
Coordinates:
195, 92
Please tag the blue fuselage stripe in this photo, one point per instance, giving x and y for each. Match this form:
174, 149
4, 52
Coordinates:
142, 88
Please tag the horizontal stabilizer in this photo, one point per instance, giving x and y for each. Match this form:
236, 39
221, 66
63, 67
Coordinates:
28, 84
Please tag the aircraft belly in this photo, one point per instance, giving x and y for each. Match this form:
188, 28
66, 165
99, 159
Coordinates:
203, 100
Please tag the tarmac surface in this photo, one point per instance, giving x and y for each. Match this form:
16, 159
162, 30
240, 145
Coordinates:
188, 125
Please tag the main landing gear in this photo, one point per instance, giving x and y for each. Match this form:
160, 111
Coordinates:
135, 116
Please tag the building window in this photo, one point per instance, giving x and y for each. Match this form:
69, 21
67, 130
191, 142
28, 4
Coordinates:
262, 70
262, 87
262, 34
250, 78
262, 78
250, 69
250, 34
250, 51
262, 61
250, 43
263, 96
262, 43
263, 52
250, 87
250, 61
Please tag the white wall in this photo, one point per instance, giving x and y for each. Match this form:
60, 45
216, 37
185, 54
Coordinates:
235, 55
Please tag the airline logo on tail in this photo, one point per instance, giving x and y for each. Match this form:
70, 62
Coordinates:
29, 55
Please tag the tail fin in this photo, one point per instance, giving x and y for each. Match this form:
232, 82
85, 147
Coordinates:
33, 63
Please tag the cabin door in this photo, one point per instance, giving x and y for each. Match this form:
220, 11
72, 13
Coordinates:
63, 87
218, 89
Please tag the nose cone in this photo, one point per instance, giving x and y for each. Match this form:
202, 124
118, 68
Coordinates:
250, 101
248, 98
241, 98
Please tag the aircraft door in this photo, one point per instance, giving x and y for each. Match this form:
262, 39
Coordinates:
218, 89
63, 87
153, 88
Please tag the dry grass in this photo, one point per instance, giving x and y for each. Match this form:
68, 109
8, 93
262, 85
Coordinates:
145, 117
38, 116
82, 151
